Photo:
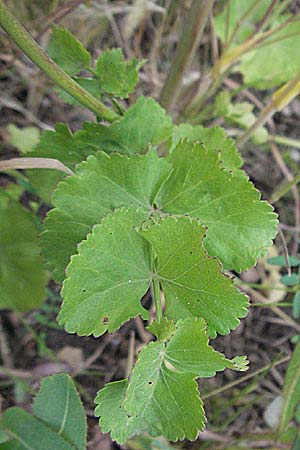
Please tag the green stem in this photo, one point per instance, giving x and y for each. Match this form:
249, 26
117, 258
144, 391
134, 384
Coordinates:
23, 39
245, 378
242, 20
157, 299
284, 189
267, 305
280, 99
193, 28
282, 140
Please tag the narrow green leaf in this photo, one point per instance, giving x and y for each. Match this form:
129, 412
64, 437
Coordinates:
30, 433
22, 277
291, 390
58, 405
240, 227
117, 76
108, 277
102, 184
214, 139
67, 51
193, 283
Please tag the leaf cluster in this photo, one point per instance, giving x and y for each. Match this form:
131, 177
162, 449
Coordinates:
129, 221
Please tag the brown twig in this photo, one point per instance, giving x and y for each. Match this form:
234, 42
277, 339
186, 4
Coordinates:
34, 163
261, 299
4, 348
285, 251
193, 27
245, 377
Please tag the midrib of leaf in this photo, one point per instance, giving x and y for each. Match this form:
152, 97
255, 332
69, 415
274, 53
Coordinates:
19, 439
204, 180
125, 283
189, 288
211, 202
138, 200
66, 409
156, 371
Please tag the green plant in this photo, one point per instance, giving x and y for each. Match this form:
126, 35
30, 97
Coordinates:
128, 220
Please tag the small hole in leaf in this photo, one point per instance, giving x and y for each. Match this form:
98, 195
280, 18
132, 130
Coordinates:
150, 382
105, 320
83, 290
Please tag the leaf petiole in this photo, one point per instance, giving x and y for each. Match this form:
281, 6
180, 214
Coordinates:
157, 299
31, 48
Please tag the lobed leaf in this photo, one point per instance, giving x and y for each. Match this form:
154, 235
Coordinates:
89, 84
163, 329
22, 277
102, 184
202, 360
161, 397
113, 418
117, 76
143, 125
214, 139
59, 144
193, 283
108, 277
240, 227
67, 51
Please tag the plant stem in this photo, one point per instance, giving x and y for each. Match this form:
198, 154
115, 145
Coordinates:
264, 20
280, 99
30, 47
246, 377
242, 20
278, 194
193, 28
157, 299
282, 140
